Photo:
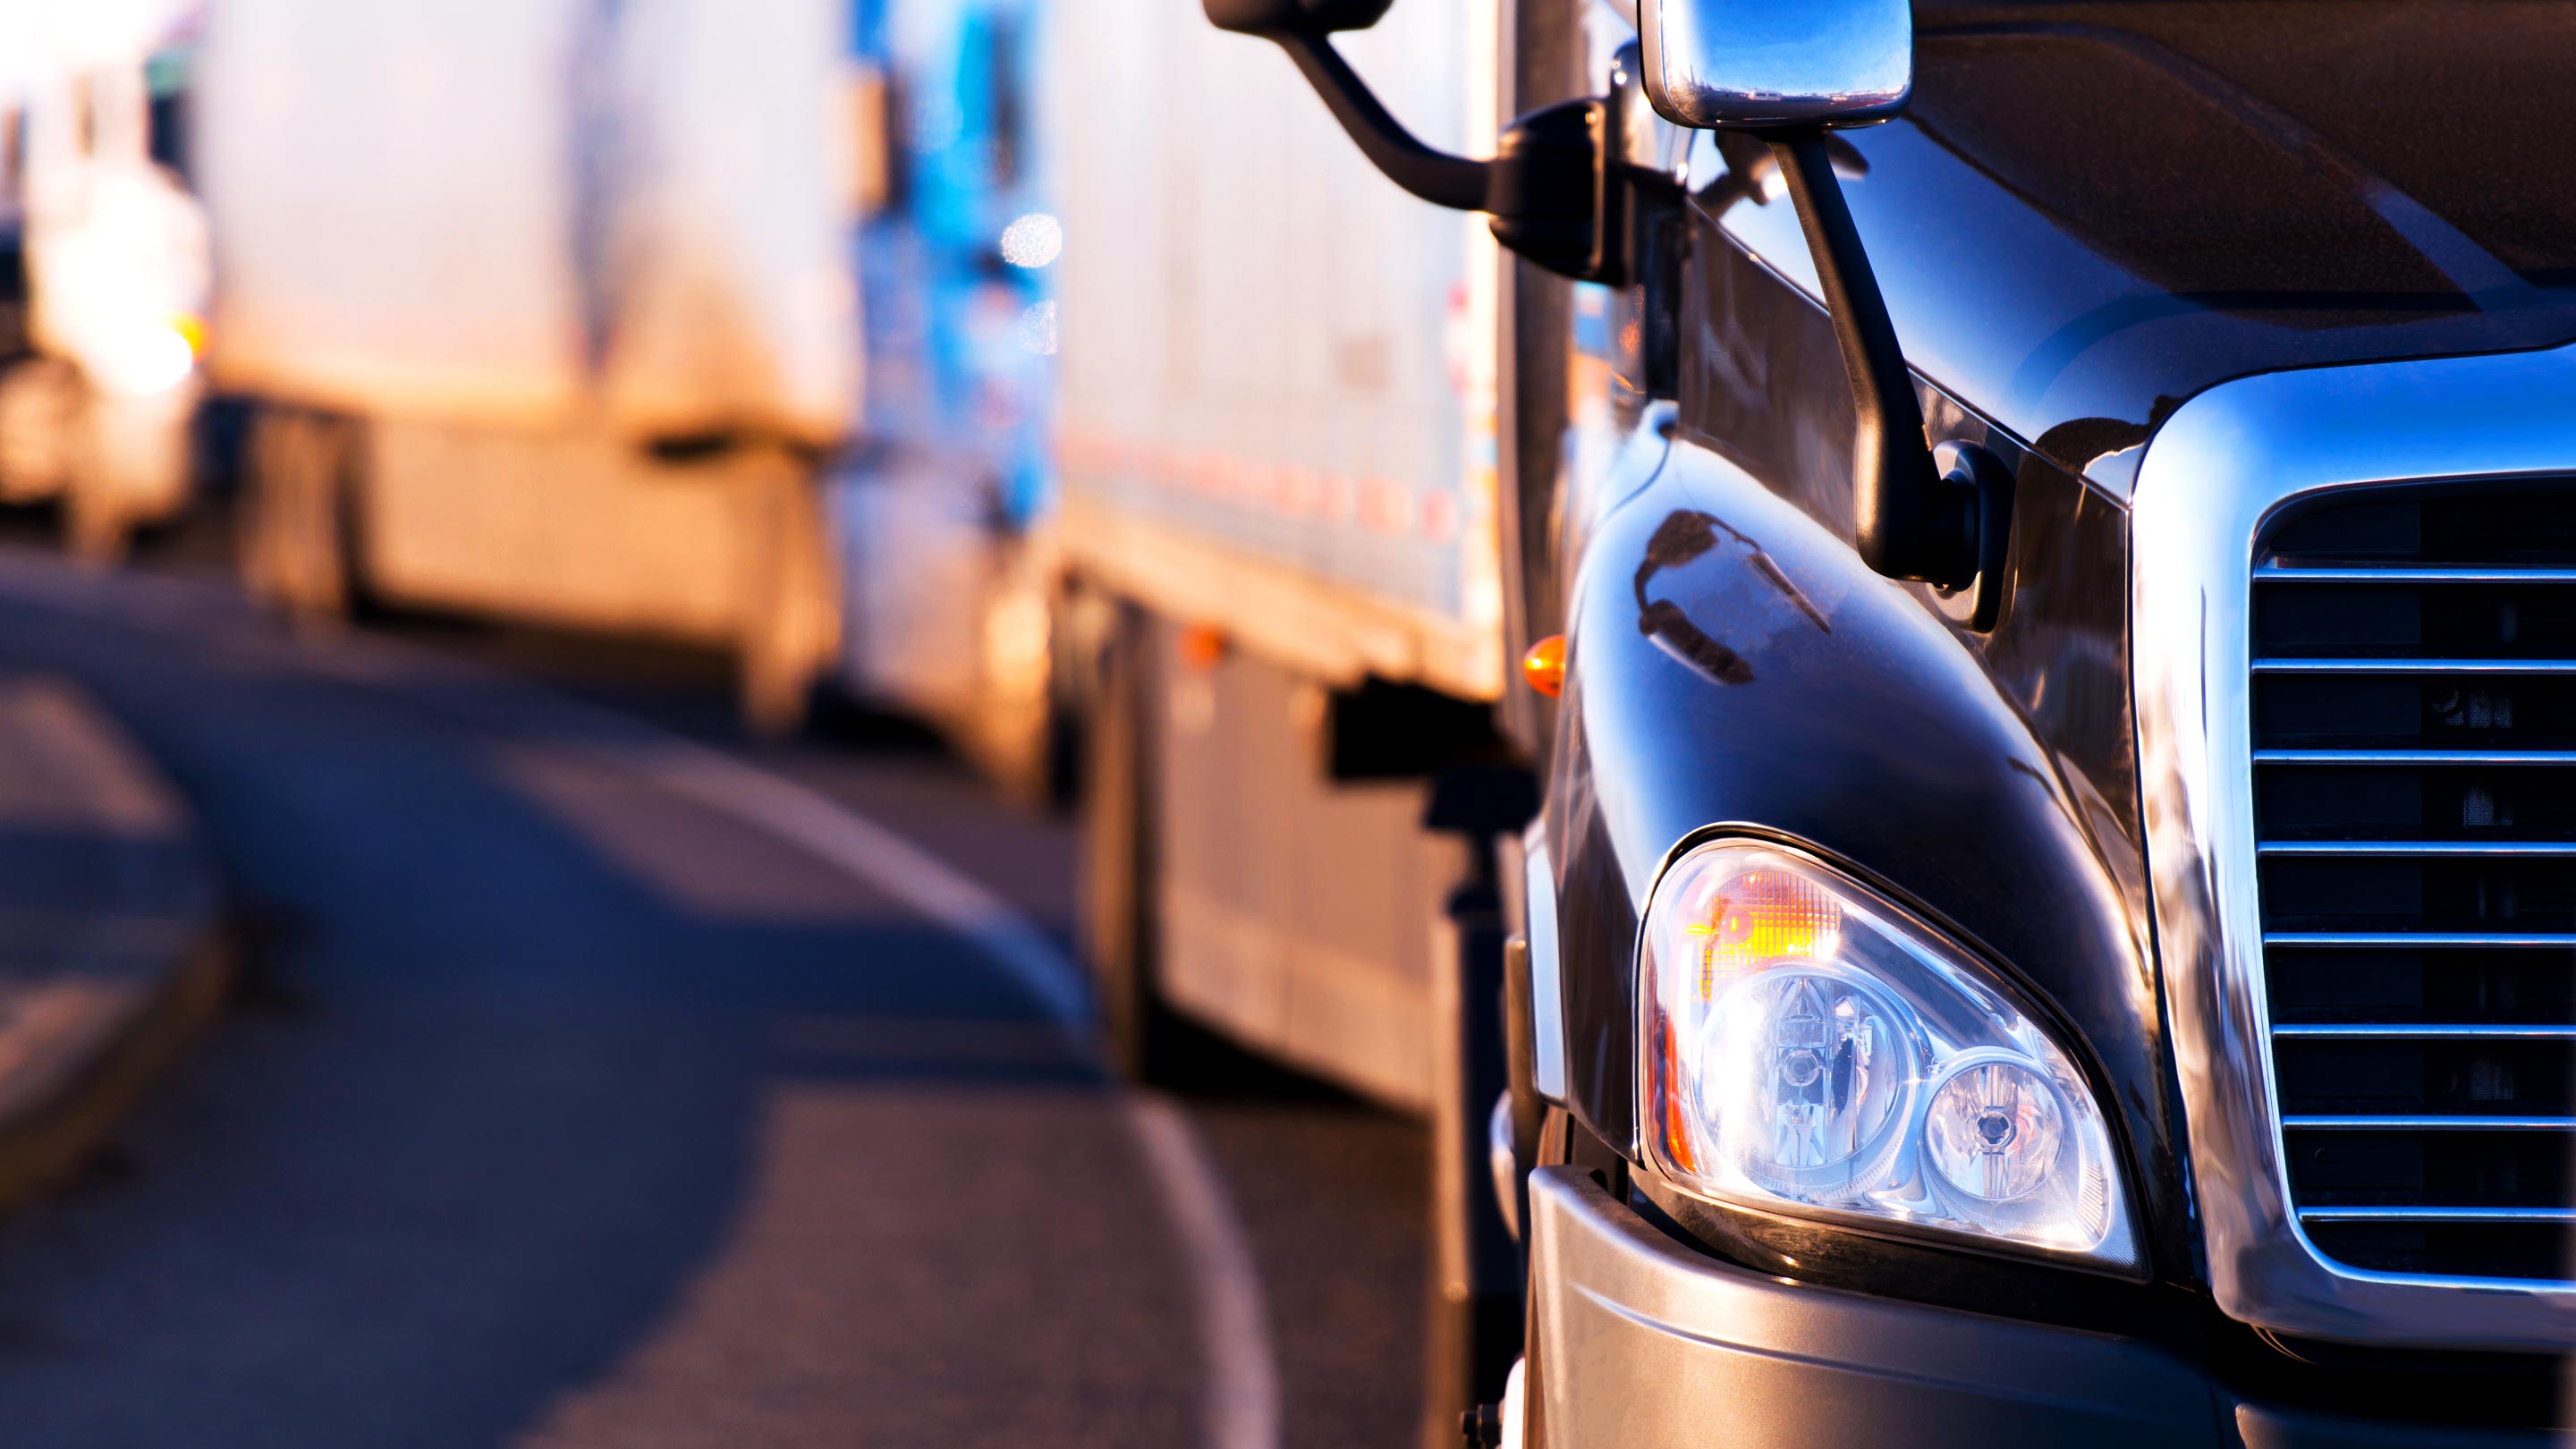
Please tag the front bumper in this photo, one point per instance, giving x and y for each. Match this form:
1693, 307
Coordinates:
1643, 1342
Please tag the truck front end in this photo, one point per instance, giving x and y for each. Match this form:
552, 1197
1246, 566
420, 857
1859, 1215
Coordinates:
2143, 1013
1960, 1099
2052, 915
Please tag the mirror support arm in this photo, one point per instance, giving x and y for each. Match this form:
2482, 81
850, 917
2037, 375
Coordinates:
1910, 521
1554, 189
1437, 177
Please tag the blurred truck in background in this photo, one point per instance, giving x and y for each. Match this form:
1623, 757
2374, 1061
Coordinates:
1278, 477
108, 269
547, 308
1280, 469
945, 512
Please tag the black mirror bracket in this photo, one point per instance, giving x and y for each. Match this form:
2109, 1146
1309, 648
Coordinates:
1977, 472
1435, 176
1555, 190
1945, 522
1561, 194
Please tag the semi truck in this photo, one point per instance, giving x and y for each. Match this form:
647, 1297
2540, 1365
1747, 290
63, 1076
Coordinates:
546, 309
2044, 913
1277, 445
1278, 491
108, 272
944, 515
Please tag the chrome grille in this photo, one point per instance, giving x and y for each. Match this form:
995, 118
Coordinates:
2414, 733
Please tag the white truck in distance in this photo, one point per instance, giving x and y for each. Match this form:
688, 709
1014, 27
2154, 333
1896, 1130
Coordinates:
549, 309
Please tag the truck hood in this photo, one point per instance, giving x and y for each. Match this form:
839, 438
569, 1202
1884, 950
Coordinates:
2093, 211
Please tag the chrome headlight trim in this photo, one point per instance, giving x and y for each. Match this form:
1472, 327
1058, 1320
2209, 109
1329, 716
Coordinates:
1547, 983
1929, 988
2212, 478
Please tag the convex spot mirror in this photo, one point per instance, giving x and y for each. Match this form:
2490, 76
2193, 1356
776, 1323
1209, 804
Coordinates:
1776, 64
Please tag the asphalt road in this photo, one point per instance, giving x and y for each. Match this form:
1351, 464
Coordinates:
571, 1101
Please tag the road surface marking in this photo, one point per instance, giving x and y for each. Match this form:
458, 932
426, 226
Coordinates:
1240, 1406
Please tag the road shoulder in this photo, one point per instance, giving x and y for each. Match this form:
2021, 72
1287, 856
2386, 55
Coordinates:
111, 952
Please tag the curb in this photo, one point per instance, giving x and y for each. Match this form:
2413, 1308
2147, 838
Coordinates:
112, 955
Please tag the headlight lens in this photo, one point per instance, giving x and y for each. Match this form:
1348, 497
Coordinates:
1812, 1049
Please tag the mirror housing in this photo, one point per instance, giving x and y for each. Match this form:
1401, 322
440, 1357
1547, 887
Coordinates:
1279, 19
1767, 65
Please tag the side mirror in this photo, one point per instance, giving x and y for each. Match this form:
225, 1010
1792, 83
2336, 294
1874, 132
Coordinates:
1273, 19
1773, 65
1551, 188
1788, 71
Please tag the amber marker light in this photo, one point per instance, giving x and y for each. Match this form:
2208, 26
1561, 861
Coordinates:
1543, 667
1202, 647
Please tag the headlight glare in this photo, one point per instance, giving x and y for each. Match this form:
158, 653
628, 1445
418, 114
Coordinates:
1814, 1050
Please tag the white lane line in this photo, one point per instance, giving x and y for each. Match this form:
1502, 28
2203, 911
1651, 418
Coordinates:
880, 858
1242, 1411
1241, 1403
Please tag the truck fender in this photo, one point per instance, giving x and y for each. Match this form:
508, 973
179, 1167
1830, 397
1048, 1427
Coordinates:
1734, 668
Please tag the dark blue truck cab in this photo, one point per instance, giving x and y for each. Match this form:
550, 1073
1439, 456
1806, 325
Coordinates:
2053, 912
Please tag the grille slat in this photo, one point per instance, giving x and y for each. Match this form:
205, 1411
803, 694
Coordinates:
2414, 1030
2437, 1215
2501, 849
2516, 941
2415, 785
2276, 572
2422, 1122
2395, 665
2416, 758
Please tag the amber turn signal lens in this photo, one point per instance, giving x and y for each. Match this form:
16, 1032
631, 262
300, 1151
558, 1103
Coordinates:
1543, 667
1759, 918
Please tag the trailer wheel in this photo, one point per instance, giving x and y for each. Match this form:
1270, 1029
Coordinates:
39, 403
1140, 1035
791, 612
1473, 1296
1017, 730
298, 544
95, 529
95, 524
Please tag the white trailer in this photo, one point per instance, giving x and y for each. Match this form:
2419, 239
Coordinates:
1277, 446
548, 306
1284, 514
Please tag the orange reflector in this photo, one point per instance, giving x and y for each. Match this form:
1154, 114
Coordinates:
1763, 916
1202, 646
1543, 667
1676, 1113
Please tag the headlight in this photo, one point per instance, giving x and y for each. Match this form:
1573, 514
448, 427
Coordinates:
1811, 1049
